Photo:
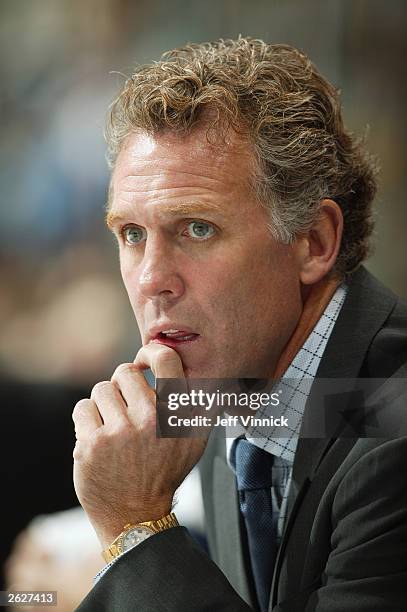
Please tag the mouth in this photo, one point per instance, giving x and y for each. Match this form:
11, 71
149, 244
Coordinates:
174, 337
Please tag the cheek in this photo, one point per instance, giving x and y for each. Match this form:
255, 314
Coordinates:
129, 272
138, 308
126, 265
129, 285
129, 276
264, 284
226, 294
213, 284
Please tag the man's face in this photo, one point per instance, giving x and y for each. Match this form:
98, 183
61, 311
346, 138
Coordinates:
201, 269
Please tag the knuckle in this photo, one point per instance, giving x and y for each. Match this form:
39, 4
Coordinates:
96, 443
98, 437
124, 369
123, 433
106, 440
121, 426
146, 417
101, 387
80, 408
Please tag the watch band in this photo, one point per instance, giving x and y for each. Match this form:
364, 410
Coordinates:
155, 526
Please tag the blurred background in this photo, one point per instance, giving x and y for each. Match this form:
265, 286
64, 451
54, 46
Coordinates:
64, 318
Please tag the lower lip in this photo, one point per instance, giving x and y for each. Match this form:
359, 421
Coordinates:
173, 343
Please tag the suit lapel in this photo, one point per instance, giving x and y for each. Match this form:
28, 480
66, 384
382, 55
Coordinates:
230, 545
366, 307
223, 516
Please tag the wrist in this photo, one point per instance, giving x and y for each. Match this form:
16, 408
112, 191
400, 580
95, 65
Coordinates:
134, 534
112, 526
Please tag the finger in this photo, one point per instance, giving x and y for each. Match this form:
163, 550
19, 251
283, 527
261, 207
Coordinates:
109, 401
132, 384
162, 360
86, 418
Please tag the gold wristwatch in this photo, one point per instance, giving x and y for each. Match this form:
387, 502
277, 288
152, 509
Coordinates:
134, 534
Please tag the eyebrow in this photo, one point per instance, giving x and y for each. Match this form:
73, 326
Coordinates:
182, 208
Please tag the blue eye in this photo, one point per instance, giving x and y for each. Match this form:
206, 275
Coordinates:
133, 234
200, 230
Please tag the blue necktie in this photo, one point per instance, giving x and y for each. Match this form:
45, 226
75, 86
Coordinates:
254, 480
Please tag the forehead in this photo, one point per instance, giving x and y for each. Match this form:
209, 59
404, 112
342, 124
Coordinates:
182, 164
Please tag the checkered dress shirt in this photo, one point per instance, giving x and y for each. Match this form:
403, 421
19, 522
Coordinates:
295, 385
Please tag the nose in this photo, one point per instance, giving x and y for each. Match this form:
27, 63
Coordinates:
159, 274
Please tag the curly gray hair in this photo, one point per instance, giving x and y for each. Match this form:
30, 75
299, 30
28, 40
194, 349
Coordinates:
290, 113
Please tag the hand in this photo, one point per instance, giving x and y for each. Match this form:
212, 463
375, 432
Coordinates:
123, 473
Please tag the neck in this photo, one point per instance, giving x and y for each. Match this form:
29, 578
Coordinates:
315, 301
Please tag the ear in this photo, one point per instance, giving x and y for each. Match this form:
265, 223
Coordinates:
318, 249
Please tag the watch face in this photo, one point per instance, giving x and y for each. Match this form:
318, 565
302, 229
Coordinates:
134, 536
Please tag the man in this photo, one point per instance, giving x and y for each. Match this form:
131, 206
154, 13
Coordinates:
242, 209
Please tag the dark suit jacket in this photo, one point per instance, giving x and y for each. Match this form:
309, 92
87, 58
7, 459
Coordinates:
344, 548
